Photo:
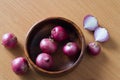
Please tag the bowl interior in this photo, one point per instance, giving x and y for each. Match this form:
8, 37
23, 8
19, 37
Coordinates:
42, 30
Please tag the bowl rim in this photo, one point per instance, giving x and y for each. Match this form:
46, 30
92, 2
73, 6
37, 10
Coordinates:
66, 69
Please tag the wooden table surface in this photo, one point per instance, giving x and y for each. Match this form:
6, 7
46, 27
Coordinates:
17, 16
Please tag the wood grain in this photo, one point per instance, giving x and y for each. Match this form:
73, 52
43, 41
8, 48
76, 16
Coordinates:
18, 16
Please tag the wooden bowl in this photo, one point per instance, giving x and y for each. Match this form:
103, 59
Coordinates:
42, 30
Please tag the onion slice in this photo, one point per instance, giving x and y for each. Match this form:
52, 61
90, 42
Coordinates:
90, 22
101, 34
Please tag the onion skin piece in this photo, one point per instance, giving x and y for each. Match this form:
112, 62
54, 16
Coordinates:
101, 34
90, 22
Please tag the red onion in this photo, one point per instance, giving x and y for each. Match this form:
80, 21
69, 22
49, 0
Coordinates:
71, 49
20, 65
58, 33
90, 23
94, 48
44, 61
48, 45
101, 34
9, 40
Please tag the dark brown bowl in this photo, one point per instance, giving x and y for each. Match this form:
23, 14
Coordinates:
42, 30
